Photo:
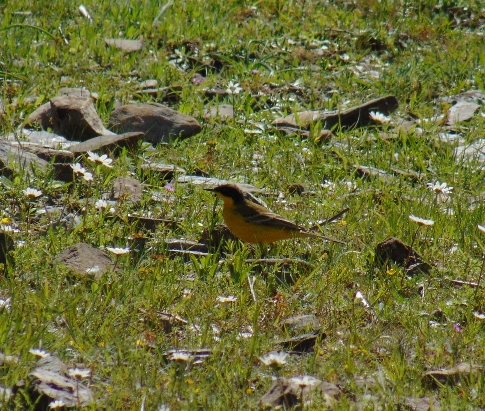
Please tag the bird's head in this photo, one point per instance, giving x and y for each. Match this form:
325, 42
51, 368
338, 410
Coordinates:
228, 192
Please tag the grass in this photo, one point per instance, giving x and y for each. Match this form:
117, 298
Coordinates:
111, 326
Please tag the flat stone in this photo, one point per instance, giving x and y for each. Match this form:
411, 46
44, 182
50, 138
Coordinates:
50, 380
395, 251
210, 182
221, 112
452, 375
42, 116
43, 138
126, 45
76, 118
461, 111
127, 188
159, 123
368, 172
112, 143
422, 404
85, 260
15, 158
185, 245
48, 154
308, 322
357, 116
303, 342
285, 393
74, 91
165, 171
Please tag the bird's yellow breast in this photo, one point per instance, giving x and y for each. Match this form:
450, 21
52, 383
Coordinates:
254, 233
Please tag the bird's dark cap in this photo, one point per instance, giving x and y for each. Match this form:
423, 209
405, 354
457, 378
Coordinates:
229, 190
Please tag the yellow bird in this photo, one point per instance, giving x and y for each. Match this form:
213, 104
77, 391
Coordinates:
254, 223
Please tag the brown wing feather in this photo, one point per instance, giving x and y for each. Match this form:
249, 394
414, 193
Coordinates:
255, 214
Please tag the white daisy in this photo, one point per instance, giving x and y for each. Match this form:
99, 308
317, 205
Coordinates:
101, 204
379, 117
421, 221
32, 192
305, 381
233, 88
180, 356
118, 250
228, 299
78, 168
39, 353
57, 404
88, 176
8, 229
274, 358
438, 188
104, 159
79, 372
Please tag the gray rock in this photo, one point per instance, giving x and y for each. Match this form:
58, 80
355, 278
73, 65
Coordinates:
222, 112
42, 116
50, 380
127, 46
357, 116
159, 123
127, 188
286, 393
112, 143
16, 158
84, 260
76, 119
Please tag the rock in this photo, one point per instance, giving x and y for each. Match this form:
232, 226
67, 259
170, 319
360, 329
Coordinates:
42, 116
287, 393
395, 251
111, 143
461, 111
127, 46
451, 375
85, 260
185, 245
469, 152
43, 138
217, 235
422, 404
76, 118
353, 117
74, 91
63, 172
148, 84
165, 171
368, 172
159, 123
222, 112
15, 158
48, 154
209, 182
303, 342
470, 96
307, 323
127, 188
50, 380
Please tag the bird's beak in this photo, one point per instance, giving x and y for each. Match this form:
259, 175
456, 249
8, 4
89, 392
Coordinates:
209, 189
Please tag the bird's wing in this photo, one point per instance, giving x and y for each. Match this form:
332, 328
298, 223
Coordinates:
255, 214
